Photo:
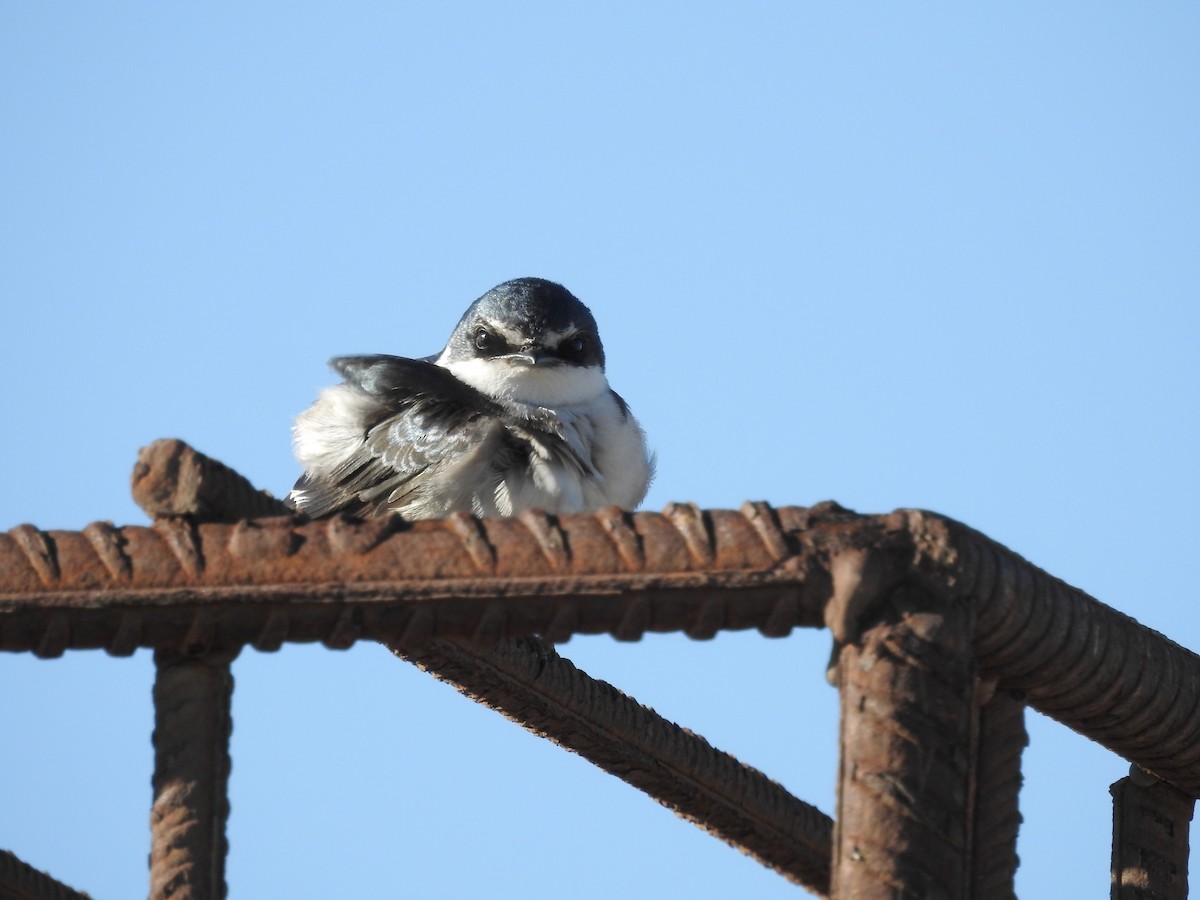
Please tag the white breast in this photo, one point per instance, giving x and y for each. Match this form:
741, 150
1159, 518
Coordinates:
613, 466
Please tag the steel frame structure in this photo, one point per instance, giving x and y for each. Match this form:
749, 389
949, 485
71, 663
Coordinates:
942, 638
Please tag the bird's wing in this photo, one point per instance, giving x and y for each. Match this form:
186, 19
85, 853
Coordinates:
422, 430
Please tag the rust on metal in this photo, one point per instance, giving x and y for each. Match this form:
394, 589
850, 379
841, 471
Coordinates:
524, 679
172, 479
1150, 840
311, 570
995, 789
566, 575
531, 684
191, 773
193, 687
21, 881
907, 690
938, 631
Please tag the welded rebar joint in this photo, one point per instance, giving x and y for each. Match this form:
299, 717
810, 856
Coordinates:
178, 486
1079, 661
907, 689
527, 681
1150, 840
862, 578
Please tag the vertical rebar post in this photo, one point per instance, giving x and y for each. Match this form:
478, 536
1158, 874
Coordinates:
1150, 840
193, 688
192, 724
907, 684
996, 786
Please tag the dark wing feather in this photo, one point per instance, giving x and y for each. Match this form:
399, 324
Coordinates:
425, 416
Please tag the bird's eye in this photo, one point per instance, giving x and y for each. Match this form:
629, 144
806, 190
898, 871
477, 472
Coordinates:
484, 340
573, 347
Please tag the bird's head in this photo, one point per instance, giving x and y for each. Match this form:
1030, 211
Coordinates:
528, 341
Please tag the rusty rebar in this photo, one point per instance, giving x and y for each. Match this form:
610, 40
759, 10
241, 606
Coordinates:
191, 773
192, 691
527, 681
170, 478
531, 684
171, 586
907, 689
1150, 840
995, 788
1080, 662
21, 881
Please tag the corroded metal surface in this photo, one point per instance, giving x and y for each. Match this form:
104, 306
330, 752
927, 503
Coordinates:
524, 679
186, 586
1150, 840
172, 479
530, 683
996, 786
192, 694
182, 585
906, 686
21, 881
191, 773
1080, 662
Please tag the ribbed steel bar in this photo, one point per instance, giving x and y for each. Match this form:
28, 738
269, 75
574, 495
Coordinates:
907, 688
262, 582
996, 785
184, 585
531, 684
171, 479
193, 692
1150, 840
21, 881
191, 775
1080, 662
527, 681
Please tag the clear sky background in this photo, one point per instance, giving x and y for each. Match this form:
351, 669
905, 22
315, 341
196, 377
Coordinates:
927, 254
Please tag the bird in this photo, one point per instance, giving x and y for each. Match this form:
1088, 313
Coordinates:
515, 413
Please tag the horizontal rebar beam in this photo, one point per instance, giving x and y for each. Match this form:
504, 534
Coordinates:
178, 584
184, 586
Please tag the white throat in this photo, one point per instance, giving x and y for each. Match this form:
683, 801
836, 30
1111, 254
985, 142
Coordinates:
538, 385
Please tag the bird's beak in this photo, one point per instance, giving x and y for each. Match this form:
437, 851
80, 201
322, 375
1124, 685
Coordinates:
529, 356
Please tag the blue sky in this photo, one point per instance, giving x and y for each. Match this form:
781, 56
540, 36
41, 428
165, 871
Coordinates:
930, 255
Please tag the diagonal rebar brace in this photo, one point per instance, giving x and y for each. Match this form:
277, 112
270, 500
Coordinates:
21, 881
527, 681
1150, 839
